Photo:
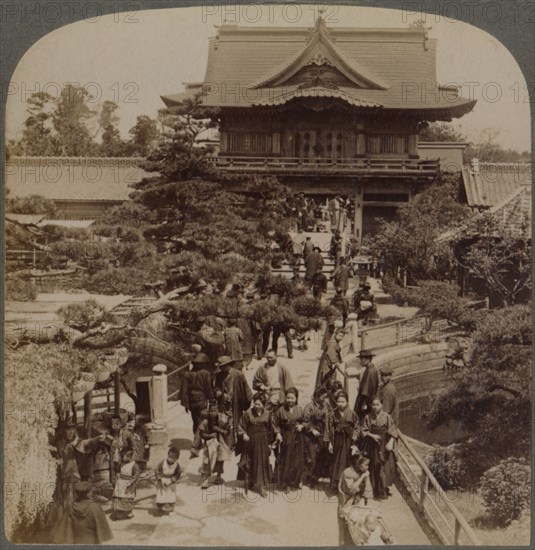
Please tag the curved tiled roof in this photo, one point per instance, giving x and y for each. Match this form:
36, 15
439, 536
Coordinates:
396, 68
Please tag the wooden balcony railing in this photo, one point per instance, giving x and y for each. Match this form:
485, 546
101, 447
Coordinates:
348, 166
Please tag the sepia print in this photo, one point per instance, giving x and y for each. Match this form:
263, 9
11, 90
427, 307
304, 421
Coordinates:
268, 278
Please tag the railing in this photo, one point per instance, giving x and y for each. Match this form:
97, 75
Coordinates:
420, 484
178, 372
394, 333
370, 166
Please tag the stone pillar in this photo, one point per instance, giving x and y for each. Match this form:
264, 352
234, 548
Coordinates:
358, 214
157, 429
159, 393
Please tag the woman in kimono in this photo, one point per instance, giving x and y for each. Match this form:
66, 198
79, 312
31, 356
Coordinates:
124, 491
317, 417
288, 425
256, 432
331, 356
379, 433
344, 432
167, 475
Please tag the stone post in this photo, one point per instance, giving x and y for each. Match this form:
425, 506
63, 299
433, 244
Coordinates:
157, 434
159, 393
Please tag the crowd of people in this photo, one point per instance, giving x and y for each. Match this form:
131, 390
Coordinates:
313, 215
280, 444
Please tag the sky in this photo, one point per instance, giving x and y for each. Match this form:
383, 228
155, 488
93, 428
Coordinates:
134, 57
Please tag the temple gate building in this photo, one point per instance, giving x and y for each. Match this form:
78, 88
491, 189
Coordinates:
329, 110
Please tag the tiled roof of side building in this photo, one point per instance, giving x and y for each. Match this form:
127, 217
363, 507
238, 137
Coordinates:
489, 184
397, 66
75, 179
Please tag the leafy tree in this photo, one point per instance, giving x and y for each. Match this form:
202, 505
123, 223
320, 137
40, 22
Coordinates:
409, 241
497, 255
491, 397
144, 135
440, 131
37, 136
32, 204
70, 122
112, 145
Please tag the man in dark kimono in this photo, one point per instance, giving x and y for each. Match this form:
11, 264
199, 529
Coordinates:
369, 384
233, 394
274, 380
84, 521
308, 247
389, 394
196, 389
313, 263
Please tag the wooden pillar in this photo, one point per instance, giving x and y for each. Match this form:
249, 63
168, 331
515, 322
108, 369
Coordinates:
413, 146
358, 214
159, 393
117, 392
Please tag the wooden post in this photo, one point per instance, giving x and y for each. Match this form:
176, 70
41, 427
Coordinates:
457, 532
423, 489
117, 393
87, 414
398, 333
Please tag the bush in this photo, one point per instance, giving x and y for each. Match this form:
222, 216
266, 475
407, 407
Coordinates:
506, 489
448, 466
19, 290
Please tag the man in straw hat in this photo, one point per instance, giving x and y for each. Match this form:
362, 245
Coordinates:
369, 384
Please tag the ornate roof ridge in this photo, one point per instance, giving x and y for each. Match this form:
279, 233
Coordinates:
320, 34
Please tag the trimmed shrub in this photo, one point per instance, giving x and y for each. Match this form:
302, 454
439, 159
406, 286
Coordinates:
448, 466
506, 489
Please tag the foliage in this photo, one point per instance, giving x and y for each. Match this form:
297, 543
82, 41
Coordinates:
440, 131
506, 489
144, 135
70, 119
37, 138
491, 397
409, 241
497, 255
448, 465
81, 315
112, 145
33, 410
19, 290
440, 299
32, 204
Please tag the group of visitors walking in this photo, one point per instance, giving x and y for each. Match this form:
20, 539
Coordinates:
313, 215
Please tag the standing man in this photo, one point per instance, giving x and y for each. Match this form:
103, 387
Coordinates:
308, 247
340, 302
369, 384
196, 389
340, 276
232, 392
313, 264
334, 209
319, 286
274, 380
389, 394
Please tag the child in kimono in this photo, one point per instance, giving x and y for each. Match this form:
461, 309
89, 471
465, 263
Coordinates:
167, 473
124, 491
213, 433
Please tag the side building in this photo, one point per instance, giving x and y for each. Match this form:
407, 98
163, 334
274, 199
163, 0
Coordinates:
330, 111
